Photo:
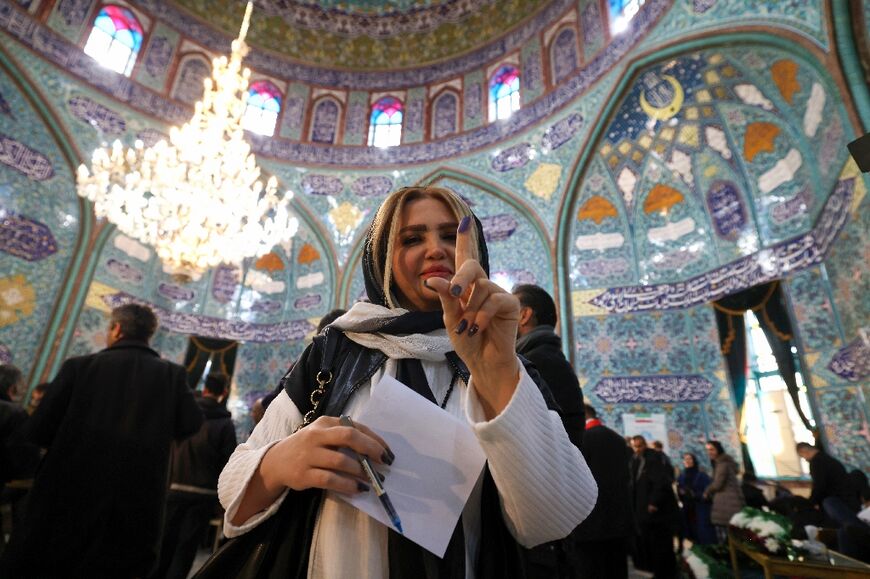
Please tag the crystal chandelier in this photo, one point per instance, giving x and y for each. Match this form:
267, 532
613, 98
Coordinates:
198, 200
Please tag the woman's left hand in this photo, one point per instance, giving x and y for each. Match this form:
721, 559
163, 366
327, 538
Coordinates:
481, 319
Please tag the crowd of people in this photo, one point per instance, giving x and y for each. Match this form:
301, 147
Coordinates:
128, 463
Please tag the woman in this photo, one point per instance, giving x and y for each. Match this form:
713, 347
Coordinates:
426, 269
724, 490
696, 512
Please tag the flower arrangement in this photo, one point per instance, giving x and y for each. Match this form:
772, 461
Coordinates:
763, 530
700, 563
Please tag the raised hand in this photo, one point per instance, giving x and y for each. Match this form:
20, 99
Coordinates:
481, 319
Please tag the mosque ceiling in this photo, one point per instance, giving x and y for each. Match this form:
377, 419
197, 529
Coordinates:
369, 35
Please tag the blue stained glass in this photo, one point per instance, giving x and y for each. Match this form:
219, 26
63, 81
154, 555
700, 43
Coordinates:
504, 82
264, 95
130, 39
104, 23
116, 31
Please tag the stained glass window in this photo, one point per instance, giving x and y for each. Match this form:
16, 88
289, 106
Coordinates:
115, 39
504, 93
264, 104
621, 13
385, 123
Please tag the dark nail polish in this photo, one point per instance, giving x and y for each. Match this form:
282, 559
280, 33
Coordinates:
460, 327
473, 330
388, 457
456, 291
382, 477
362, 487
463, 224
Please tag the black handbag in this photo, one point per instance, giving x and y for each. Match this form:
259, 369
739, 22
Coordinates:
279, 547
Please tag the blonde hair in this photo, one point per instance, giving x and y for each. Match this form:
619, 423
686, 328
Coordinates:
385, 229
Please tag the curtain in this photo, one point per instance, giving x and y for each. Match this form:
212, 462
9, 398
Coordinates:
767, 302
222, 354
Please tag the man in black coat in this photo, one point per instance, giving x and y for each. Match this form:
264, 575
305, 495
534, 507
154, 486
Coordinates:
833, 488
538, 343
602, 539
107, 420
197, 463
656, 513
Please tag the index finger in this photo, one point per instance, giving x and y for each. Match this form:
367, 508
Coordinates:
463, 242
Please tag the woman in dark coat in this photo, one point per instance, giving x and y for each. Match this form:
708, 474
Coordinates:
695, 510
724, 490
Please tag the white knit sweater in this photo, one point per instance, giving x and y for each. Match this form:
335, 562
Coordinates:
543, 481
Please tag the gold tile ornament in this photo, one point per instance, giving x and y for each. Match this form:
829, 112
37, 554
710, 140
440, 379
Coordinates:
345, 217
95, 295
544, 180
580, 305
17, 299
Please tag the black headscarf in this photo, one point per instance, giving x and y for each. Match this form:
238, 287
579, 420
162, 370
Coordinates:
406, 558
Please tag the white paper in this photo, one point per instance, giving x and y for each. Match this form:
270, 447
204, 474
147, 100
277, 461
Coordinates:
650, 426
438, 462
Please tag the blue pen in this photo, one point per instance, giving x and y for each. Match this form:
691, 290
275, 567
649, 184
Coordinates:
376, 481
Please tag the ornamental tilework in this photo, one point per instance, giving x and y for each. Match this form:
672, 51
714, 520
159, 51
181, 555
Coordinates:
69, 17
89, 335
259, 368
845, 425
813, 311
75, 63
293, 114
803, 16
158, 57
664, 362
850, 282
25, 238
532, 69
38, 227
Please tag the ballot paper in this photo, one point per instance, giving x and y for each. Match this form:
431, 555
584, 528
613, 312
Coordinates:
438, 461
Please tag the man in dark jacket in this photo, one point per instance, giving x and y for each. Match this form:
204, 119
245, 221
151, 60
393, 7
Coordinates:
602, 539
656, 514
538, 343
107, 420
196, 465
833, 489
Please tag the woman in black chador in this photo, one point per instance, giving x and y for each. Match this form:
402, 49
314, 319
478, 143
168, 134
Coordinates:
437, 323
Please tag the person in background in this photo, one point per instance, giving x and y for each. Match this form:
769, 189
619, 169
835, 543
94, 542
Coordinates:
538, 343
724, 491
656, 513
691, 484
108, 420
196, 465
258, 410
833, 489
601, 541
19, 458
36, 397
12, 420
660, 447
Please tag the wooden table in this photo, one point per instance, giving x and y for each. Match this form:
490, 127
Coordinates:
839, 567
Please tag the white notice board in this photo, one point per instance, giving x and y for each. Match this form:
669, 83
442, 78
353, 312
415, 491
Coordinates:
650, 426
